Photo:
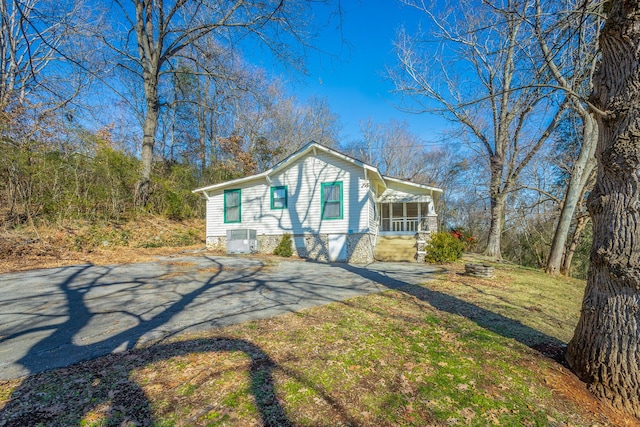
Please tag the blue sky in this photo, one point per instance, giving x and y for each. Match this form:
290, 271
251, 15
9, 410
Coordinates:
348, 69
352, 78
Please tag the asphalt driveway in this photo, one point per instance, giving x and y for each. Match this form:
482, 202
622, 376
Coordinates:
55, 317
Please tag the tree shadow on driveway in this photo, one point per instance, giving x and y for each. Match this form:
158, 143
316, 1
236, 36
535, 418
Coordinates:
88, 298
53, 334
114, 389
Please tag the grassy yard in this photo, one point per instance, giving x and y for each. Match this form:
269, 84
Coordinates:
456, 351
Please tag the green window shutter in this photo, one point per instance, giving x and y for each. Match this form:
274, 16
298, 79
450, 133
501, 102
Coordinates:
332, 200
232, 206
279, 197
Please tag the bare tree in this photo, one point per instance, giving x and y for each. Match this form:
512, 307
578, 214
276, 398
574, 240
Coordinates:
480, 74
392, 148
567, 33
150, 36
33, 69
36, 86
571, 162
203, 102
276, 124
605, 348
582, 221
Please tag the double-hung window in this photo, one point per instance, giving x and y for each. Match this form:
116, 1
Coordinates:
232, 206
279, 197
332, 200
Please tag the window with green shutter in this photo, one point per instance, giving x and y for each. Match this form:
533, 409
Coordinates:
232, 206
332, 200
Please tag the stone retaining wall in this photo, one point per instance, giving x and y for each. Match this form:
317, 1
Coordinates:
361, 247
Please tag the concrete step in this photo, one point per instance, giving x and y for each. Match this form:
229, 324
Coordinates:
396, 248
395, 257
410, 249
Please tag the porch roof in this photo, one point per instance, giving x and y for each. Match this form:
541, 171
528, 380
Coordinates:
396, 196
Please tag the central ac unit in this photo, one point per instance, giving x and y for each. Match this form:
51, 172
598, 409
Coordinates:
242, 241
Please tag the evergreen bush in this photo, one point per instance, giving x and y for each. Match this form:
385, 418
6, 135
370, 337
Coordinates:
443, 248
284, 247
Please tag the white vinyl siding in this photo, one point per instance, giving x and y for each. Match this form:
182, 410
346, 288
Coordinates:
373, 214
303, 215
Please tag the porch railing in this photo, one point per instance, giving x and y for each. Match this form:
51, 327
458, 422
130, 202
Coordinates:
408, 224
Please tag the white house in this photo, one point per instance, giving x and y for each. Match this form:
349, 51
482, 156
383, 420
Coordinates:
334, 206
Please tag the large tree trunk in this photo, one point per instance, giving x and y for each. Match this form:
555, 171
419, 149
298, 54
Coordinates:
579, 176
148, 141
149, 128
497, 199
605, 349
494, 242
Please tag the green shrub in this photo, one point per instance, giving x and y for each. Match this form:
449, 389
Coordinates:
444, 247
175, 208
171, 194
284, 247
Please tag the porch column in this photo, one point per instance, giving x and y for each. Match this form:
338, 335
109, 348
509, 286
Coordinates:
404, 215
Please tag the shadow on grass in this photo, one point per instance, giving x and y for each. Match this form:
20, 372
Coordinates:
487, 319
103, 388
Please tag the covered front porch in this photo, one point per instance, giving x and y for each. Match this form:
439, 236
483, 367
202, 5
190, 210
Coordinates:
402, 213
406, 217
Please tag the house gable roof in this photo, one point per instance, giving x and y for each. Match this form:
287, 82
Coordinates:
371, 171
310, 147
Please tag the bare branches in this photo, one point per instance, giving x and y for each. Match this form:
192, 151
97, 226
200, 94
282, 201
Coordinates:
499, 94
168, 32
26, 49
572, 60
